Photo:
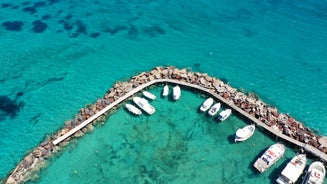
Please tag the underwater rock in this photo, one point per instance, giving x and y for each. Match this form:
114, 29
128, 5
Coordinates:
13, 25
39, 26
9, 107
5, 5
46, 17
94, 35
30, 9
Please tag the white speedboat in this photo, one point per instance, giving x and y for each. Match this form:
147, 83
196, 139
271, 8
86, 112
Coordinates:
206, 104
133, 109
316, 173
144, 105
293, 170
165, 90
214, 109
176, 92
223, 115
244, 133
269, 157
149, 95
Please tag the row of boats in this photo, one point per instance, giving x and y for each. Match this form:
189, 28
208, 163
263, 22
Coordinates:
289, 175
144, 104
213, 109
294, 168
241, 134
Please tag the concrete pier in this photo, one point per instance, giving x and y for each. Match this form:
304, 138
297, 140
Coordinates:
263, 115
306, 147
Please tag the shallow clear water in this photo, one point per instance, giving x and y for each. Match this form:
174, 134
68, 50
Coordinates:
177, 144
273, 48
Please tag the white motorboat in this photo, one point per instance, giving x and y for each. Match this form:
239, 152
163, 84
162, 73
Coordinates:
214, 109
176, 92
206, 104
293, 170
133, 109
223, 115
165, 90
269, 157
149, 95
144, 105
316, 173
244, 133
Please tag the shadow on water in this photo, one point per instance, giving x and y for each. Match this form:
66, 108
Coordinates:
10, 108
231, 138
275, 173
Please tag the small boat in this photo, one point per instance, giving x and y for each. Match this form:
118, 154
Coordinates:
214, 109
176, 92
206, 104
244, 133
269, 157
293, 170
316, 173
223, 115
149, 95
165, 90
133, 109
144, 105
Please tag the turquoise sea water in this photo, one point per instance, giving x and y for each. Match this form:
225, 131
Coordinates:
57, 56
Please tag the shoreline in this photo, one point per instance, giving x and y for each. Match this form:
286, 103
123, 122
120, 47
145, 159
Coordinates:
268, 117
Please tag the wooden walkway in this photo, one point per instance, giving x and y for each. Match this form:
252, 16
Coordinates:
306, 147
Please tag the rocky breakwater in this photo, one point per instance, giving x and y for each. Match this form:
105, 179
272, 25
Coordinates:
250, 103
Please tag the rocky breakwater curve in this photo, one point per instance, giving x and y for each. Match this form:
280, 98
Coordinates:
28, 168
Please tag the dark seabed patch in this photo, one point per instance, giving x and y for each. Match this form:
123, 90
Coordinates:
249, 33
94, 35
68, 17
153, 31
39, 26
26, 3
46, 17
115, 29
132, 32
40, 4
35, 119
81, 27
51, 2
30, 9
9, 107
19, 94
13, 25
55, 79
5, 5
15, 7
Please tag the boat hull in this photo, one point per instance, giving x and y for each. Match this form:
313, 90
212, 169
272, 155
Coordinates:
271, 156
244, 133
293, 170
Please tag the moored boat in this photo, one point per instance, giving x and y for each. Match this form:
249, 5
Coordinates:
269, 157
133, 109
316, 173
176, 92
293, 170
149, 95
223, 115
144, 105
214, 109
165, 90
244, 133
206, 104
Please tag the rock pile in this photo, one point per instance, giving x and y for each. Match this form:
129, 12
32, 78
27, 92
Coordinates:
250, 103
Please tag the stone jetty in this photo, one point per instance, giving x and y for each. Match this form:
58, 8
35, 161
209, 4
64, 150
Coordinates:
247, 105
